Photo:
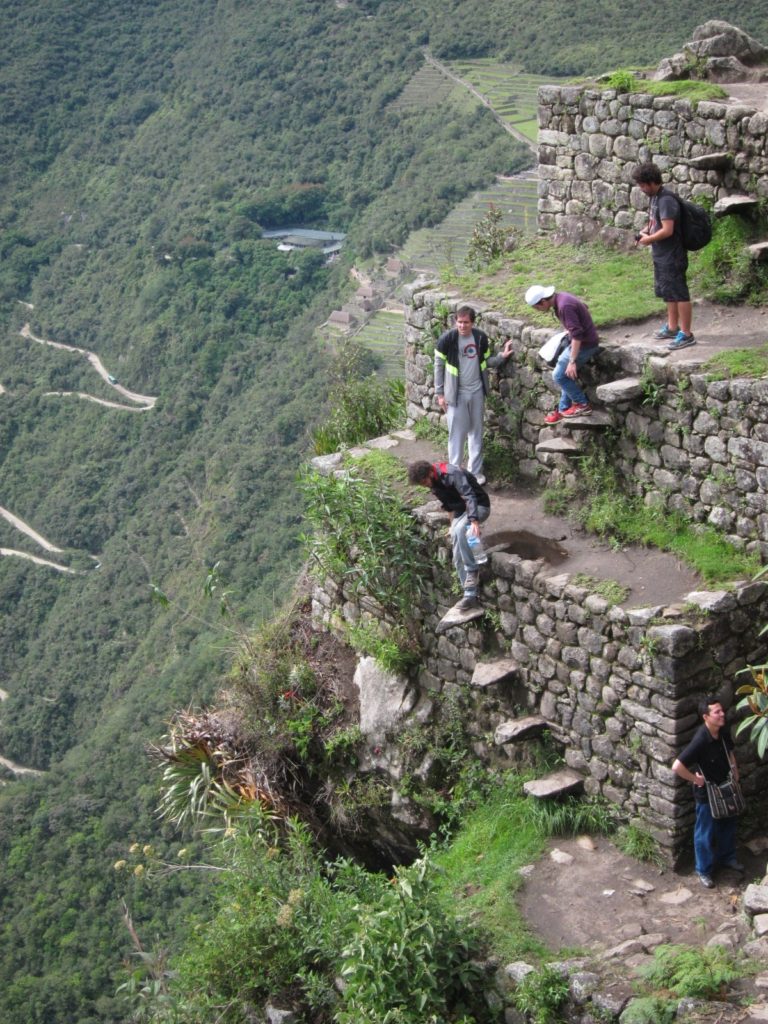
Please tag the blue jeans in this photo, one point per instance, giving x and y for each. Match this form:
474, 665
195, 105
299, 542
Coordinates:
714, 839
570, 392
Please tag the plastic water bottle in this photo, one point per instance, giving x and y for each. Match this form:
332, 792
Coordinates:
476, 547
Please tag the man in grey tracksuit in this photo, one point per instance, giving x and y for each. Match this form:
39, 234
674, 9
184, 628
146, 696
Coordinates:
461, 384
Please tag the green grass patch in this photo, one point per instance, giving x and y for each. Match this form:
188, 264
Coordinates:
638, 843
617, 286
694, 90
598, 503
432, 432
741, 362
480, 868
610, 590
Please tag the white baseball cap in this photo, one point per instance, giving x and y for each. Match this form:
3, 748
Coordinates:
537, 292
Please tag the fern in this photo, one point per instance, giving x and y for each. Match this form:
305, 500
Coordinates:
699, 973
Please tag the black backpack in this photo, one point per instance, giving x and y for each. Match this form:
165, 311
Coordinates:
695, 225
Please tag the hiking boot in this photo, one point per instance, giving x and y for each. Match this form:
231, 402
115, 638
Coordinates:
706, 881
682, 340
468, 603
578, 409
665, 333
554, 417
471, 581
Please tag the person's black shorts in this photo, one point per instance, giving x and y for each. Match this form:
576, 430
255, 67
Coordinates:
669, 281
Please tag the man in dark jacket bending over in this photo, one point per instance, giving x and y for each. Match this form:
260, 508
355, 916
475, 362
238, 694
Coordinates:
468, 505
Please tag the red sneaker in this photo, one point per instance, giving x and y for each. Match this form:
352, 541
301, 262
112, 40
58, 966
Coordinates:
578, 409
554, 417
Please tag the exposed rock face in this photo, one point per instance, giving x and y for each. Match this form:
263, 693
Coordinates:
719, 52
721, 39
385, 699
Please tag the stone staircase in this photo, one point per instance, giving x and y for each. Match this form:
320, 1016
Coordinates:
497, 679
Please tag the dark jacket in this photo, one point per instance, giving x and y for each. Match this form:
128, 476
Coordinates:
458, 491
447, 362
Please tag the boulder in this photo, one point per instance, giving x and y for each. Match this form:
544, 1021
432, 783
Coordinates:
385, 699
721, 39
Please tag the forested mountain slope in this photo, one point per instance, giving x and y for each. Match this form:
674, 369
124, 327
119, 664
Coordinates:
143, 147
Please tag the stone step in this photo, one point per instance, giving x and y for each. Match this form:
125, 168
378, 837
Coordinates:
556, 784
712, 162
758, 252
519, 729
456, 617
559, 446
592, 421
491, 673
734, 204
623, 390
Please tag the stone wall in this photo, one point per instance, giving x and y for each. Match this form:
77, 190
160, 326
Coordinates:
616, 686
590, 140
685, 442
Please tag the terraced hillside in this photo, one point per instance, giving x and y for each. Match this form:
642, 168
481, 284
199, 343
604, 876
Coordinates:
383, 335
426, 88
509, 92
445, 245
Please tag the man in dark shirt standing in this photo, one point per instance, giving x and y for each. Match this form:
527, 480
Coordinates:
670, 257
709, 757
468, 506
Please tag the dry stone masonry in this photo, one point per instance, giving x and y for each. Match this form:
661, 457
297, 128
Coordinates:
591, 139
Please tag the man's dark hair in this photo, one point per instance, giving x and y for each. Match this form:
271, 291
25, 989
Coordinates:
466, 311
419, 472
647, 174
706, 703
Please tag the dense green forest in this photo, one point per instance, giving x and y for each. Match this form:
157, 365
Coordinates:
143, 149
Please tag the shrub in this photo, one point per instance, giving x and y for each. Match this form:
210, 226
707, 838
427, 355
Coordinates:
362, 405
409, 960
364, 534
649, 1010
699, 973
541, 994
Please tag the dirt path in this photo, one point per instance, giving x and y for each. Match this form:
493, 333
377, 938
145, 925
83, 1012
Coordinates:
519, 524
716, 329
98, 401
444, 70
33, 534
41, 561
146, 402
17, 769
596, 900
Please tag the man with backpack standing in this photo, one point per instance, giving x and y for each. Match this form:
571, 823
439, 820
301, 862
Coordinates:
670, 258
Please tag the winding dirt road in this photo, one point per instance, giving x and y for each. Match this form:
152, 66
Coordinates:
144, 401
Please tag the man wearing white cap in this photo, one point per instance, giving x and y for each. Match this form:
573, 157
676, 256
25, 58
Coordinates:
583, 345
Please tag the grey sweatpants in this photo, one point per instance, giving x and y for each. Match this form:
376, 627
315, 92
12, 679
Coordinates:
465, 426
